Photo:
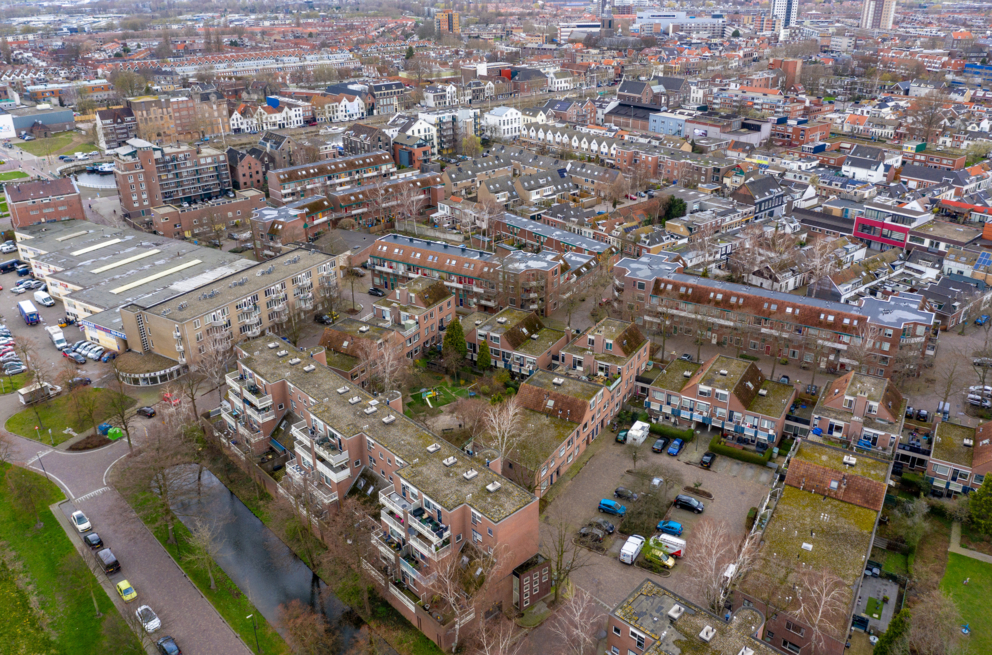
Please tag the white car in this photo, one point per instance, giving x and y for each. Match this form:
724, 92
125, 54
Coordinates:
81, 522
8, 247
985, 391
149, 620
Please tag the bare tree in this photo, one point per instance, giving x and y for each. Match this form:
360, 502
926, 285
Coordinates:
350, 531
926, 115
74, 573
389, 364
306, 630
473, 414
6, 448
558, 548
503, 425
861, 350
820, 260
120, 404
204, 546
713, 552
496, 636
821, 597
575, 624
467, 589
409, 201
935, 624
27, 489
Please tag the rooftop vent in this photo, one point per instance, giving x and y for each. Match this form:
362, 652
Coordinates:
354, 400
282, 353
708, 633
968, 442
295, 361
363, 329
676, 611
746, 651
310, 368
469, 474
850, 460
723, 372
478, 322
493, 486
534, 337
450, 461
273, 344
370, 410
558, 381
388, 419
434, 447
501, 320
342, 390
687, 374
762, 392
807, 547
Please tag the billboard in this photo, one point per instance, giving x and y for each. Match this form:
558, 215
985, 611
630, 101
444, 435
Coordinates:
698, 132
7, 127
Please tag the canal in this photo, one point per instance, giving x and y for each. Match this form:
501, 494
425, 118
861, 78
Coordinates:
263, 567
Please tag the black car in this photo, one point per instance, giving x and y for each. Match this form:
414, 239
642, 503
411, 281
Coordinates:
377, 292
168, 646
93, 540
707, 460
323, 319
591, 534
624, 493
688, 502
79, 382
76, 357
147, 412
660, 444
603, 524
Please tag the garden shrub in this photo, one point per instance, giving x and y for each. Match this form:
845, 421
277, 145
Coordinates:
737, 453
663, 430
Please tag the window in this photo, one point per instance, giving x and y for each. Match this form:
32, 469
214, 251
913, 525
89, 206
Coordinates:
490, 531
940, 470
639, 638
789, 646
617, 632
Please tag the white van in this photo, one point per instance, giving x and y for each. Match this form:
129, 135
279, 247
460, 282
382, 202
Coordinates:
674, 545
631, 549
44, 298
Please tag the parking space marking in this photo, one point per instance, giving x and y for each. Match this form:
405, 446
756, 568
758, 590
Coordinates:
92, 494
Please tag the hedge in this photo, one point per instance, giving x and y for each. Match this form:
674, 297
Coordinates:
750, 358
672, 433
752, 514
737, 453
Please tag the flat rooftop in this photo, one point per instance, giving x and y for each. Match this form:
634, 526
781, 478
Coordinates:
544, 435
570, 386
674, 377
445, 485
949, 443
776, 400
833, 458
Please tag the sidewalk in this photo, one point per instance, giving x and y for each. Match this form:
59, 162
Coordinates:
955, 546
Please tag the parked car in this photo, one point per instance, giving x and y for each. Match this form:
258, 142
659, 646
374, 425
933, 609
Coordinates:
6, 248
982, 320
147, 412
675, 448
168, 646
14, 369
79, 382
591, 534
624, 493
108, 563
983, 362
149, 620
784, 379
608, 506
379, 293
910, 412
95, 353
670, 527
76, 357
686, 357
93, 540
80, 522
979, 401
126, 591
922, 415
603, 525
689, 503
978, 389
109, 355
707, 459
659, 445
325, 319
622, 436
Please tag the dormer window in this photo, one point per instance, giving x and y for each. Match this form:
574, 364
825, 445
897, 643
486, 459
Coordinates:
848, 402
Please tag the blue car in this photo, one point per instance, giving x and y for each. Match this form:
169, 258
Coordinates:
675, 448
608, 506
982, 320
670, 527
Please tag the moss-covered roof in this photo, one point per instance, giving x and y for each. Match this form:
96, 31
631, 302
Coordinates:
775, 402
735, 369
546, 338
949, 443
673, 378
541, 436
833, 458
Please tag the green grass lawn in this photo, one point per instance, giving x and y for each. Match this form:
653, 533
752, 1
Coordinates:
61, 413
15, 382
42, 597
971, 599
11, 175
228, 600
64, 143
896, 563
446, 394
874, 608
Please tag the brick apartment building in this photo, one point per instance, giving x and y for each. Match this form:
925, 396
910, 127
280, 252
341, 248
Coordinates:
305, 180
43, 201
208, 220
165, 120
518, 340
960, 459
613, 353
246, 170
655, 292
114, 127
479, 279
419, 311
797, 132
347, 344
237, 307
724, 393
524, 232
436, 502
149, 176
860, 410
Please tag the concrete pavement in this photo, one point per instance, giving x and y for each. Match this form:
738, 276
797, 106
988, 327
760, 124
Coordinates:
956, 547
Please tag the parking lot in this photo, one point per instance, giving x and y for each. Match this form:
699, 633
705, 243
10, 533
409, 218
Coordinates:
735, 487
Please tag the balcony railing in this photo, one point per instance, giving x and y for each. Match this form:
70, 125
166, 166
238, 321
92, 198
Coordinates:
411, 569
393, 522
336, 474
253, 395
302, 432
395, 502
421, 545
322, 495
399, 595
329, 451
386, 544
260, 417
234, 380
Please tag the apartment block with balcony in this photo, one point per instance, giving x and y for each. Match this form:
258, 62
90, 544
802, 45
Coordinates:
348, 343
436, 502
149, 176
723, 393
654, 291
232, 309
318, 178
613, 353
518, 340
419, 311
860, 410
522, 231
960, 460
886, 223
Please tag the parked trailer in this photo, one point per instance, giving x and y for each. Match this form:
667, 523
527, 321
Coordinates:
28, 312
38, 392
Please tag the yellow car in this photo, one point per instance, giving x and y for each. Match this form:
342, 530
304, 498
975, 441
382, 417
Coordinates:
126, 591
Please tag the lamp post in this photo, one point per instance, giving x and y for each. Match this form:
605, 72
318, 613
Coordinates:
255, 629
40, 453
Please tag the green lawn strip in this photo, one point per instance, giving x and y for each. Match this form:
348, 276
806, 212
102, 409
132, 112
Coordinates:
15, 382
971, 599
68, 612
896, 563
11, 175
49, 146
58, 414
227, 599
874, 608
